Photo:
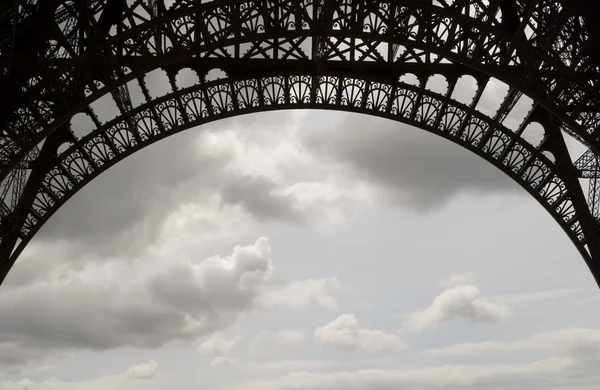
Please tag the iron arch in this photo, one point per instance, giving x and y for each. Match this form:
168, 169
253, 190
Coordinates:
105, 146
411, 31
62, 56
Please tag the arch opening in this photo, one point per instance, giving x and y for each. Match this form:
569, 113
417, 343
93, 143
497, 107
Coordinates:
401, 101
378, 43
465, 89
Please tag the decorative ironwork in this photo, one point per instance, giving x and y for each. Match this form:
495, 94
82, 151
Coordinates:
60, 57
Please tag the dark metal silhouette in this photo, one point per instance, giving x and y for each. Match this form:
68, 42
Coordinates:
58, 57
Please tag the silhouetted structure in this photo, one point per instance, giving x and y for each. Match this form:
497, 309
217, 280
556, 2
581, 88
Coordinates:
60, 56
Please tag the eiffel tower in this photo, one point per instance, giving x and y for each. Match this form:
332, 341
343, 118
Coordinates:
63, 59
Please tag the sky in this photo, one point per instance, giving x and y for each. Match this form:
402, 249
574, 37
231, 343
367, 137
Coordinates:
300, 250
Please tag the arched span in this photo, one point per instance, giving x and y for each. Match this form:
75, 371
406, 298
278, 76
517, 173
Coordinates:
80, 162
60, 58
528, 48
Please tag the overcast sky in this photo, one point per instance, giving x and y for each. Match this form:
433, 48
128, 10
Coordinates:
300, 250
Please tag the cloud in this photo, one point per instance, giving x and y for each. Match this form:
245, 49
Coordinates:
537, 296
263, 166
574, 355
106, 306
550, 374
264, 342
579, 344
463, 302
129, 380
288, 337
238, 159
344, 332
143, 303
124, 207
255, 165
13, 356
290, 365
262, 198
330, 203
408, 166
143, 371
223, 361
217, 345
305, 293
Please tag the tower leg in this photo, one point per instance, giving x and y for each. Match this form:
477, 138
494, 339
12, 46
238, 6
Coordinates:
555, 142
12, 225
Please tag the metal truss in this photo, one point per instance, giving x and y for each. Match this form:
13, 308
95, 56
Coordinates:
60, 56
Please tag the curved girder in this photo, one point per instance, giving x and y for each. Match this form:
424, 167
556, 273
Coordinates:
204, 102
526, 46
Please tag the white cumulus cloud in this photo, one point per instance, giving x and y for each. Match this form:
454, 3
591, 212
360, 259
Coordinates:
217, 345
463, 302
143, 371
345, 332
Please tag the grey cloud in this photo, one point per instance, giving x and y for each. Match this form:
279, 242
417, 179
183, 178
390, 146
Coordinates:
143, 371
571, 364
13, 356
110, 306
127, 203
463, 302
577, 343
145, 302
410, 166
547, 374
121, 211
345, 333
259, 197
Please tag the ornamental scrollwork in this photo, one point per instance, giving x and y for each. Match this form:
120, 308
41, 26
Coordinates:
220, 98
451, 120
474, 131
77, 166
554, 190
300, 89
352, 92
428, 111
566, 210
516, 158
99, 150
403, 102
327, 90
122, 137
274, 90
496, 144
535, 173
378, 97
170, 115
57, 182
42, 203
247, 93
195, 105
